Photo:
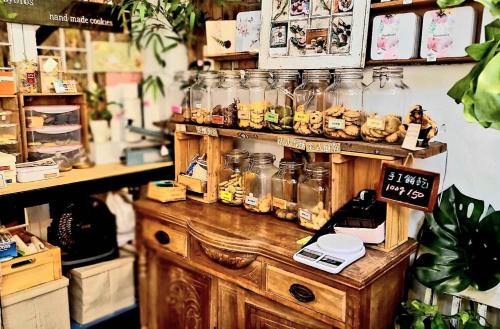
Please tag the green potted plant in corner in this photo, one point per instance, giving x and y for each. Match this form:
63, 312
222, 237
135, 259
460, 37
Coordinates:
100, 116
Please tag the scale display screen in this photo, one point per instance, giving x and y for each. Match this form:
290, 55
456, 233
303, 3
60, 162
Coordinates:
331, 261
310, 254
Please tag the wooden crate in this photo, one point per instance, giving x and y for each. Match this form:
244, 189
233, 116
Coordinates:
187, 146
166, 194
25, 272
9, 103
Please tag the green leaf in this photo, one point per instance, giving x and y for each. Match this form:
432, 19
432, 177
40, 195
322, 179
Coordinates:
419, 323
438, 322
478, 50
192, 20
492, 30
449, 3
487, 97
464, 317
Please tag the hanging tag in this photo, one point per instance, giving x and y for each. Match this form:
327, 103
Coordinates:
336, 124
375, 123
226, 196
301, 117
272, 117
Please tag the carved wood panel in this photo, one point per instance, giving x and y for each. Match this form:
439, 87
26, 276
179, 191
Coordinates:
257, 318
182, 298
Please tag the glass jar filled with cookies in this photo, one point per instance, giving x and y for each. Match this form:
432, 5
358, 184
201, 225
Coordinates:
226, 99
202, 100
313, 200
231, 177
284, 190
257, 183
279, 99
385, 100
309, 103
252, 106
343, 115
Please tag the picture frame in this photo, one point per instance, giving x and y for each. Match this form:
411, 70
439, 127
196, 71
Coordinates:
313, 34
50, 70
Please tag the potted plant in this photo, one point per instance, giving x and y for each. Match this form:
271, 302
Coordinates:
100, 116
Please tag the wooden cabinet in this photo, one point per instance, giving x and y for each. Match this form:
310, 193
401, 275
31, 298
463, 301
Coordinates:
211, 266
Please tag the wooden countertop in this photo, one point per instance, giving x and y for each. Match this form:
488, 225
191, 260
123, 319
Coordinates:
239, 230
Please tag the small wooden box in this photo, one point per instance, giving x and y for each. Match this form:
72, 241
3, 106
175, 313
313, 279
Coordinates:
25, 272
193, 184
159, 192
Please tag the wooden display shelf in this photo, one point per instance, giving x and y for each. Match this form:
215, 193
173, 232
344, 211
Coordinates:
420, 61
398, 4
232, 57
9, 103
51, 94
350, 148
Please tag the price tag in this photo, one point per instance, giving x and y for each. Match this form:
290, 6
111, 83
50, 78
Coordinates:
411, 138
293, 143
218, 119
407, 2
336, 124
251, 201
375, 123
323, 147
272, 117
244, 114
207, 131
431, 57
301, 117
197, 106
305, 215
279, 203
226, 196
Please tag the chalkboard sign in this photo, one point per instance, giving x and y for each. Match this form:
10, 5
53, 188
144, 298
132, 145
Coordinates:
408, 187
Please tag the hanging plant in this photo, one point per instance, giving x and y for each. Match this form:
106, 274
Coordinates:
461, 246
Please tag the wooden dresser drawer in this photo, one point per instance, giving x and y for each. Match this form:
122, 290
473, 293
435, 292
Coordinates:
307, 293
164, 236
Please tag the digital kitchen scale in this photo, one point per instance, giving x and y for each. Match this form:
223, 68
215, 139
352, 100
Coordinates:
331, 252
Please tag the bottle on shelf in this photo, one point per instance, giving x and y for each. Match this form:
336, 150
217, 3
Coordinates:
226, 99
257, 183
252, 106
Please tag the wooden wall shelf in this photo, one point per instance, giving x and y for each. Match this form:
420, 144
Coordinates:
239, 56
399, 4
420, 61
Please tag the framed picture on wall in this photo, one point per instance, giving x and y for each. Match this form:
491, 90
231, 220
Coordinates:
50, 71
313, 34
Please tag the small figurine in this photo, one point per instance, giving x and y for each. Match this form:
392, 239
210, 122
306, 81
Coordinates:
428, 129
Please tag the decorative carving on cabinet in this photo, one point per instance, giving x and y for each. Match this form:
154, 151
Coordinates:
226, 258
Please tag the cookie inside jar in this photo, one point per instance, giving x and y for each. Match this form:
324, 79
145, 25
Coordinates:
309, 103
253, 105
343, 115
202, 101
284, 190
231, 177
226, 99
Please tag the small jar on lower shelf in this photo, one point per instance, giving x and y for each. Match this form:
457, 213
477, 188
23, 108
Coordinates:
314, 196
257, 183
231, 177
284, 190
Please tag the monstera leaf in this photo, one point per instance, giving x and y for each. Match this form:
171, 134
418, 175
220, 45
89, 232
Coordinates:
461, 246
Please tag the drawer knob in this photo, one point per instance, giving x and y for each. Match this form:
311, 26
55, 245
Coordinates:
162, 237
301, 293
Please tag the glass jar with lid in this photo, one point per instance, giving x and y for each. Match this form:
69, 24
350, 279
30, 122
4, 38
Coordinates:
313, 200
257, 183
279, 100
202, 97
178, 96
284, 190
231, 177
309, 103
344, 115
385, 100
252, 106
226, 99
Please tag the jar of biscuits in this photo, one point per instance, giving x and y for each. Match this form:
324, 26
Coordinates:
343, 116
252, 106
226, 99
313, 200
257, 183
284, 190
231, 177
385, 100
202, 97
309, 103
279, 98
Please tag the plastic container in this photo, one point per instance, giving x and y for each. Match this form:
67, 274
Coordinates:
5, 117
202, 101
231, 177
385, 100
54, 136
284, 190
178, 95
226, 99
8, 132
309, 103
52, 115
344, 115
257, 183
252, 106
279, 100
314, 196
41, 153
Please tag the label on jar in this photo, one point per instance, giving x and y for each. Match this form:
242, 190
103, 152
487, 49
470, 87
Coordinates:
198, 106
305, 215
301, 117
226, 196
279, 203
251, 201
336, 123
176, 109
218, 119
244, 114
375, 123
272, 117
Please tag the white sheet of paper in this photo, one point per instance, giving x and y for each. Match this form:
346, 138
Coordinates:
50, 65
411, 139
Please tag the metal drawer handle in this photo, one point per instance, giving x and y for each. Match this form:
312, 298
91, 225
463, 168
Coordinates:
301, 293
162, 237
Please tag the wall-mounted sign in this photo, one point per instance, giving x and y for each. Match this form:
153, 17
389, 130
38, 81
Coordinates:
82, 14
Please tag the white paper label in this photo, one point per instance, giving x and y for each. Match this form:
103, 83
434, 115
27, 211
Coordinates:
375, 123
250, 200
305, 215
407, 2
49, 65
198, 106
336, 123
431, 57
411, 138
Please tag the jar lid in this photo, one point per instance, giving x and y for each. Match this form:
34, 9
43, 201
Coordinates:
390, 71
262, 157
237, 155
318, 168
290, 165
317, 74
286, 74
349, 73
229, 74
257, 74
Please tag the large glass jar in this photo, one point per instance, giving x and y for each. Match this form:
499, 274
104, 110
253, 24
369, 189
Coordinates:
314, 196
309, 103
257, 183
202, 100
279, 100
344, 115
178, 96
225, 109
284, 190
231, 177
252, 106
385, 100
